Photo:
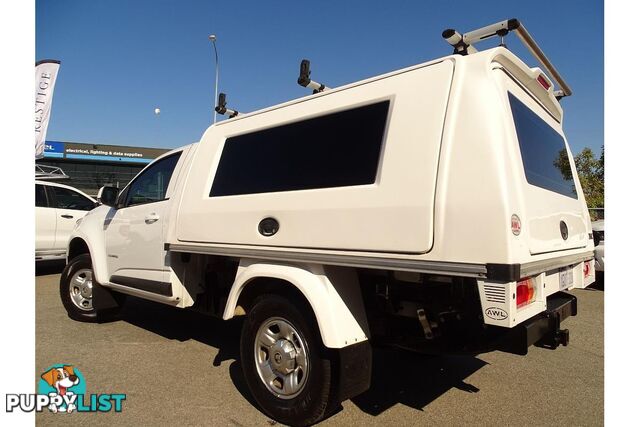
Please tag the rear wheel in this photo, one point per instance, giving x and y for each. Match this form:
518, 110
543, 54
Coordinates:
77, 291
285, 364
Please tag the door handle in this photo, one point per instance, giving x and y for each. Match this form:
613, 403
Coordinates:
151, 218
67, 216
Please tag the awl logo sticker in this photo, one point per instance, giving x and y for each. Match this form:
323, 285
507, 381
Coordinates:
496, 313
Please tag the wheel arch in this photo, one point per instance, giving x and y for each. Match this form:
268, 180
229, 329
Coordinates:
332, 294
77, 246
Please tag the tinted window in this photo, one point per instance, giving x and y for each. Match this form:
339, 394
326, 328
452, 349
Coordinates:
335, 150
544, 154
69, 199
151, 185
41, 196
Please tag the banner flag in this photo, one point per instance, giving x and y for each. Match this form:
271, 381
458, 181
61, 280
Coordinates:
46, 73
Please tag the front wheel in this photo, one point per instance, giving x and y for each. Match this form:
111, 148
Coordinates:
285, 364
77, 291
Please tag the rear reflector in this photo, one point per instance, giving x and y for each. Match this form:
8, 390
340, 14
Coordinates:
544, 82
525, 292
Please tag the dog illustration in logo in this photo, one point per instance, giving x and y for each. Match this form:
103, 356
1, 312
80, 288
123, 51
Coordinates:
61, 379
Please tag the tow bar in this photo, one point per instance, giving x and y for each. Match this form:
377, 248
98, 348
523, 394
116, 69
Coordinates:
544, 329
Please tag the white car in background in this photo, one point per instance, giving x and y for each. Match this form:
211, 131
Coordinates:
58, 207
598, 241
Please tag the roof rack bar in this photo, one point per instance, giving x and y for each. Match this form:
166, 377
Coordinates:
222, 109
304, 79
537, 52
463, 44
49, 172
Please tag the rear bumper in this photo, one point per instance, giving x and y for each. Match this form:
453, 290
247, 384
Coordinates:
544, 329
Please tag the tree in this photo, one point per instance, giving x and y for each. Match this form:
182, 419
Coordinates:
591, 173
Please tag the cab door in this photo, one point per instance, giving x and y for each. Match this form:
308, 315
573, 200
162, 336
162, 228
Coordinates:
69, 206
135, 230
45, 221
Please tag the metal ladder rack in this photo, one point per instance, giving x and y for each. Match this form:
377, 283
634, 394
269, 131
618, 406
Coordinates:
45, 172
463, 45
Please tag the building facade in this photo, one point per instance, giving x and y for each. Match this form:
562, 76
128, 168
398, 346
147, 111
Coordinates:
91, 166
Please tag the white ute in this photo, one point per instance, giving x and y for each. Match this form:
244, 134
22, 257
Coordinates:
435, 208
58, 207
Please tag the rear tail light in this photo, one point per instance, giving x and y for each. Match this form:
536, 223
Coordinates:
586, 270
543, 82
525, 292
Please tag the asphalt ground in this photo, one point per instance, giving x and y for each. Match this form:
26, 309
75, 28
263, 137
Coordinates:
179, 367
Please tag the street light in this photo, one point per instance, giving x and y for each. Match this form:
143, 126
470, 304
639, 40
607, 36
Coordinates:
212, 37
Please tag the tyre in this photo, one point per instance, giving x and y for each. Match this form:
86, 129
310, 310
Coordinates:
286, 367
76, 292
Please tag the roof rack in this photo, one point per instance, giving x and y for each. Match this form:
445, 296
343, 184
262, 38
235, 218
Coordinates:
50, 172
463, 45
304, 79
222, 109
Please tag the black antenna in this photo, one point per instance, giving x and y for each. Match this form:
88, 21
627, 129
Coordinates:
304, 79
221, 108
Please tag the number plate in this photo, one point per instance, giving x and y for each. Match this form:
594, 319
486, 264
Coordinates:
566, 278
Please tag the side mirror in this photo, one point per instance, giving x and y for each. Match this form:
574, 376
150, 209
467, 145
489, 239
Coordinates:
108, 196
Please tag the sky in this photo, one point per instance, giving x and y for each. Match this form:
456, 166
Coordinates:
122, 59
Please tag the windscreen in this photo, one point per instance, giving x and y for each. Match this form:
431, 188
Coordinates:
544, 154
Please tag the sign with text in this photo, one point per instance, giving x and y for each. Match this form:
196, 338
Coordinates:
46, 74
100, 152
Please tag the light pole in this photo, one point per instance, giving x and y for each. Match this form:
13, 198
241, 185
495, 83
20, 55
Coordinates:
212, 37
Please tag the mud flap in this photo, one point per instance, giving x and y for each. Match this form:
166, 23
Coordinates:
104, 299
354, 370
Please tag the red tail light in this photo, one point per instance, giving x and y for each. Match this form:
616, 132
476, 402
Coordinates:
543, 82
586, 270
525, 292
